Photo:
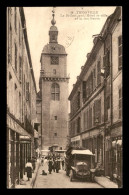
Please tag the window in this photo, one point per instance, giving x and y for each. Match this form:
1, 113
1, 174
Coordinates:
97, 110
10, 76
84, 90
20, 69
15, 86
84, 120
91, 83
55, 117
10, 45
19, 105
54, 71
15, 57
107, 107
120, 103
53, 37
119, 52
78, 125
78, 100
98, 73
90, 118
24, 84
94, 78
106, 63
19, 34
54, 60
27, 90
55, 92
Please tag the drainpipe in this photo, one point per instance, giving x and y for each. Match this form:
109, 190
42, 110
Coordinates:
105, 84
111, 90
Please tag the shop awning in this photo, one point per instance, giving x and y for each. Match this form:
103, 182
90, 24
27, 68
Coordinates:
88, 152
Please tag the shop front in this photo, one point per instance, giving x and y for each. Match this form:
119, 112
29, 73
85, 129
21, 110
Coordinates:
94, 141
75, 141
16, 151
25, 153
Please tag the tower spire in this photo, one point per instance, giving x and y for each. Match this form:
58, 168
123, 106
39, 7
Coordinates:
53, 22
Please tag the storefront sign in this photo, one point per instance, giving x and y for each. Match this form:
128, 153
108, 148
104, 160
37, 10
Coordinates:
12, 124
24, 137
75, 138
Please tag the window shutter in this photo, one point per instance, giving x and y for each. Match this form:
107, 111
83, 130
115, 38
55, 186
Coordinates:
84, 89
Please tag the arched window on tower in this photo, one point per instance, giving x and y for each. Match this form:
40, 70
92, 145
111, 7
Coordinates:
55, 92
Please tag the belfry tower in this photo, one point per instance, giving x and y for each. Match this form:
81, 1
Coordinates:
53, 85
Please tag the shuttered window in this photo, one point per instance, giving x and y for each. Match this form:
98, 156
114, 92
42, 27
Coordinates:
120, 103
27, 91
97, 110
84, 90
98, 73
119, 52
15, 57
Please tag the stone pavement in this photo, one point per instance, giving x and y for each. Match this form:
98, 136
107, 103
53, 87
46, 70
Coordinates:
29, 184
105, 182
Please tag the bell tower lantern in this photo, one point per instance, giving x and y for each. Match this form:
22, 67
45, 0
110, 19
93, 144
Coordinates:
53, 32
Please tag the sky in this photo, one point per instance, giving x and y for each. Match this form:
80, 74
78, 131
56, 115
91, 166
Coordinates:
76, 26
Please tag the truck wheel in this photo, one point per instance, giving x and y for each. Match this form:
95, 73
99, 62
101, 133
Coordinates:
71, 175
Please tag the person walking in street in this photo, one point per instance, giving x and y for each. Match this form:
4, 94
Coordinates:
42, 160
63, 164
45, 166
33, 162
29, 169
54, 165
57, 162
50, 164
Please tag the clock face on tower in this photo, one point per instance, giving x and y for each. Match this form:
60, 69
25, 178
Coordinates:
54, 60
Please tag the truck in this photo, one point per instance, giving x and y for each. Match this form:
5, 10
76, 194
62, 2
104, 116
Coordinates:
79, 164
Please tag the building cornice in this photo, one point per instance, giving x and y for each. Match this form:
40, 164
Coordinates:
55, 79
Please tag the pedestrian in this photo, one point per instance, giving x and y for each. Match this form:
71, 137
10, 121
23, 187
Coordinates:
33, 162
42, 159
63, 164
57, 161
54, 165
29, 169
45, 166
50, 164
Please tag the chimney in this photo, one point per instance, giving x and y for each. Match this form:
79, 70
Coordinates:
88, 55
95, 40
82, 67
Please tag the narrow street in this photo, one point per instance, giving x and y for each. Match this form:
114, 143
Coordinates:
60, 180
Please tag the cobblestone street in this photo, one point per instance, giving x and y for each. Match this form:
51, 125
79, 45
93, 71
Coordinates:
60, 180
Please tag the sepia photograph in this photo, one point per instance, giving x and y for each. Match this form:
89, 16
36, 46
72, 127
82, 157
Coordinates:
64, 97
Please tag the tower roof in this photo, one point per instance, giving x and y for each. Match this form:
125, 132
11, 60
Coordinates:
53, 48
53, 28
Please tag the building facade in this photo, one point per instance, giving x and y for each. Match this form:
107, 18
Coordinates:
21, 97
54, 92
96, 99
